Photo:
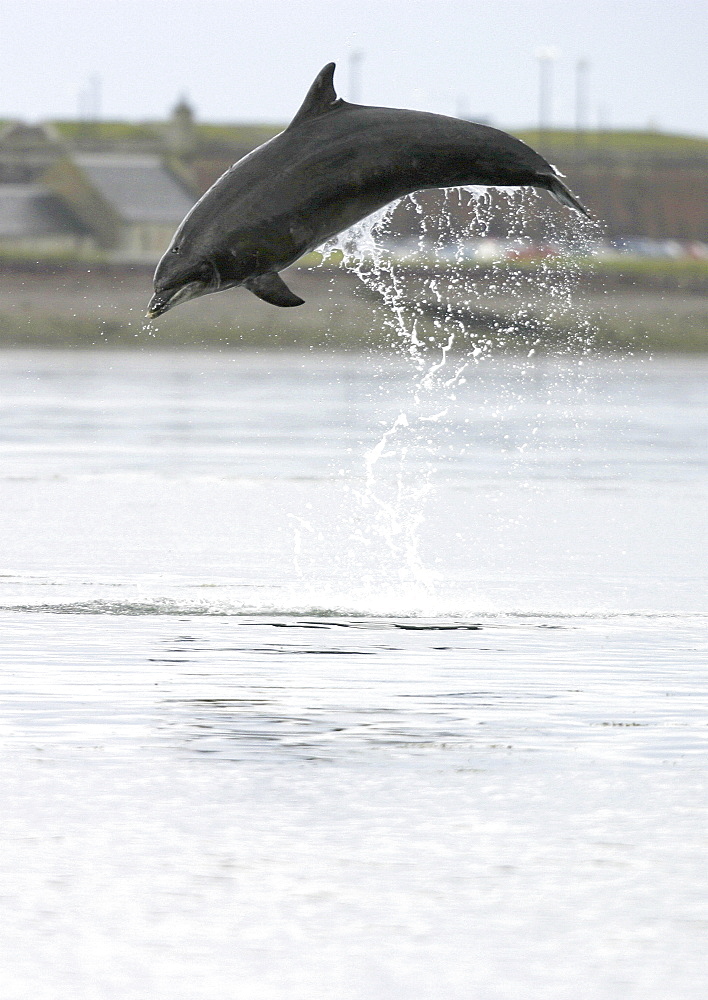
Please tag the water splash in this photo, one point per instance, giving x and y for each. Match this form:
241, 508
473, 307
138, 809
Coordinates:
447, 308
148, 329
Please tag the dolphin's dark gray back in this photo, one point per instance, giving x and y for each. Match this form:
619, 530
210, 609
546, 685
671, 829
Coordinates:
427, 149
333, 165
333, 151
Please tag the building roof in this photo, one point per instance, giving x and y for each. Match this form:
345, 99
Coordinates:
139, 188
21, 136
28, 210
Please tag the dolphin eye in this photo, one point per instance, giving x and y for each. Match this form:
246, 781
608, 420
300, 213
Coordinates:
175, 250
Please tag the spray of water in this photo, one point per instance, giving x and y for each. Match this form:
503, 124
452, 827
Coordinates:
447, 309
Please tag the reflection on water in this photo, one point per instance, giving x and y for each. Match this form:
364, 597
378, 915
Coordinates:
246, 754
334, 689
168, 483
506, 689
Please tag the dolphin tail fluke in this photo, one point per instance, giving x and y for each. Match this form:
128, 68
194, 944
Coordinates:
271, 288
564, 195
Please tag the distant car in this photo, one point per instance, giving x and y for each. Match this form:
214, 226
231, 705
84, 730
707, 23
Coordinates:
643, 246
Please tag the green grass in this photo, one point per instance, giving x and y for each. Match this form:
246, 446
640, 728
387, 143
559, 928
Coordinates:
48, 260
628, 329
626, 142
61, 331
112, 132
618, 141
663, 273
108, 132
677, 275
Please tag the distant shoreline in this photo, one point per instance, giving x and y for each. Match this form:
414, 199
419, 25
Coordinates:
645, 304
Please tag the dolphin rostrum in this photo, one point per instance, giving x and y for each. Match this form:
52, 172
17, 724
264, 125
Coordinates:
333, 165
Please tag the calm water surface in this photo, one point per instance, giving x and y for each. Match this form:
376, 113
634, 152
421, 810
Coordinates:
322, 680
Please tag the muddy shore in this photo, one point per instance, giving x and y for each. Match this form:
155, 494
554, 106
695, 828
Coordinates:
104, 306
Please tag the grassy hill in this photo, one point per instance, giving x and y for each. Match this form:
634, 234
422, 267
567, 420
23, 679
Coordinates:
625, 142
622, 141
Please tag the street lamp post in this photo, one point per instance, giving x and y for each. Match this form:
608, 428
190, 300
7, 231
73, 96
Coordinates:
546, 57
355, 61
582, 68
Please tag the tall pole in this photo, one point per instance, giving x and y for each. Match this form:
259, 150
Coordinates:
582, 68
463, 108
546, 57
355, 60
95, 92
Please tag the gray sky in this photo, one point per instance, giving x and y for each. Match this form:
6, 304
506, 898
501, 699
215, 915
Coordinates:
253, 61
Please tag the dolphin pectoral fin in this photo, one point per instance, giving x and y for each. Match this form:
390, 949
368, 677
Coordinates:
320, 98
271, 288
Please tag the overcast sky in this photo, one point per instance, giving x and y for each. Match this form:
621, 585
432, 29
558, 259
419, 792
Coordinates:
253, 61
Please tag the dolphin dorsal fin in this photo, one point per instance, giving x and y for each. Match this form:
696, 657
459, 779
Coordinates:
321, 97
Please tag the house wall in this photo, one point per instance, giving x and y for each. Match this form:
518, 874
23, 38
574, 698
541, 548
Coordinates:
78, 246
142, 242
139, 244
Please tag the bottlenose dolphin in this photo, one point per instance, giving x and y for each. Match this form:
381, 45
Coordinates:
333, 165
